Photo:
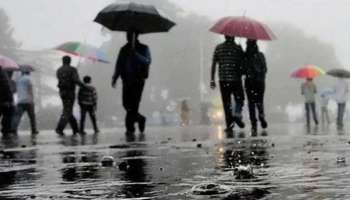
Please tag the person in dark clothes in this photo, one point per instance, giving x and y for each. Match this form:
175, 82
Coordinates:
229, 56
255, 66
133, 67
87, 98
6, 103
68, 79
25, 102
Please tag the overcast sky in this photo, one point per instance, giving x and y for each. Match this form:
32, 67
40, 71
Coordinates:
45, 23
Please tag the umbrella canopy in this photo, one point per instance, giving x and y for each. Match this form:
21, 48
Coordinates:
83, 50
133, 17
340, 73
243, 27
8, 63
308, 71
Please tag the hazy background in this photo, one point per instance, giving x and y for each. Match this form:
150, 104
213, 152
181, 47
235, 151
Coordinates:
313, 31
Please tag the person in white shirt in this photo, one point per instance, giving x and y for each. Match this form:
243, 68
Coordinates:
341, 92
308, 90
25, 102
324, 108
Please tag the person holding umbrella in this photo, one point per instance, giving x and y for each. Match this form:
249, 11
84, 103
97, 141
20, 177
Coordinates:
134, 58
308, 90
341, 89
229, 56
132, 67
6, 103
255, 71
232, 26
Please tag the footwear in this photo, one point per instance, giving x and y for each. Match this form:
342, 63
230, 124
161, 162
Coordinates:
142, 124
97, 131
263, 123
239, 122
254, 129
75, 132
228, 130
82, 133
59, 132
35, 132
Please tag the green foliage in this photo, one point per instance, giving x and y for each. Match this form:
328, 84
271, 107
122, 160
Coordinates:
7, 43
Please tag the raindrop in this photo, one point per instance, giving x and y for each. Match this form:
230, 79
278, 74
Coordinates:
341, 160
107, 161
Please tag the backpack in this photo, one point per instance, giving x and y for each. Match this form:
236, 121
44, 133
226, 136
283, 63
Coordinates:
256, 68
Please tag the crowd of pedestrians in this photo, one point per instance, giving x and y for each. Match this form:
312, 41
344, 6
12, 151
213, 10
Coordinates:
241, 73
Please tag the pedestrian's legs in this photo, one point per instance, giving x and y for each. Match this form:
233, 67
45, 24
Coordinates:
307, 113
32, 118
128, 101
18, 115
323, 115
92, 114
227, 103
260, 92
251, 95
238, 93
73, 123
314, 114
67, 113
82, 119
327, 115
7, 117
140, 119
341, 110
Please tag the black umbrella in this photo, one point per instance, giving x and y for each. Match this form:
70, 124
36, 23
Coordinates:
340, 73
133, 17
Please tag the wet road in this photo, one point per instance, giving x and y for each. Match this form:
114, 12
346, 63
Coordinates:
288, 161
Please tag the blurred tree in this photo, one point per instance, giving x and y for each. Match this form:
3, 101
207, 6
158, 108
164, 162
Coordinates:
7, 43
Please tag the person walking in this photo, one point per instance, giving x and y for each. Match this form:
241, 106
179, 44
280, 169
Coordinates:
185, 113
308, 90
324, 100
229, 56
132, 67
6, 103
87, 98
25, 101
68, 79
255, 71
341, 92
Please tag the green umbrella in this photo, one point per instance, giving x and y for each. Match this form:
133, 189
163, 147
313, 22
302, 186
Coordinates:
83, 50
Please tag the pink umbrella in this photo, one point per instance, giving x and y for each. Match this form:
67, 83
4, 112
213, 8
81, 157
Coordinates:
243, 27
7, 63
